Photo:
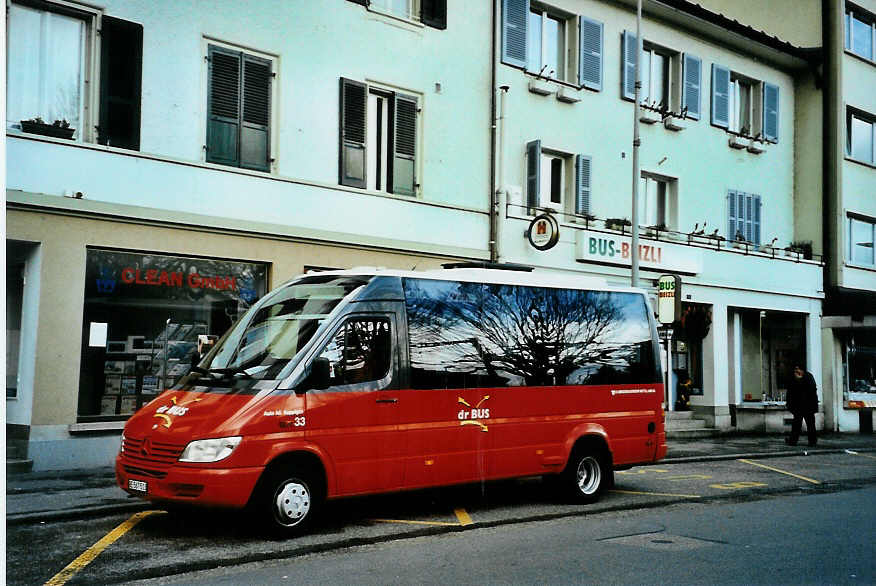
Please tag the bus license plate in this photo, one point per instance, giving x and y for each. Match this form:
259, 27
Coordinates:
137, 485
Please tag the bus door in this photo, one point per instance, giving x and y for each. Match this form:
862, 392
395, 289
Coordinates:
355, 419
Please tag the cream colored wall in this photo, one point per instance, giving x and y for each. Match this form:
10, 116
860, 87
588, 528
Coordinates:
795, 21
64, 240
808, 166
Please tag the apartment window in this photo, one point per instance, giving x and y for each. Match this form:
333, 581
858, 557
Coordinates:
546, 41
744, 105
378, 138
557, 180
49, 52
670, 80
862, 241
657, 201
861, 33
861, 137
238, 108
546, 44
743, 217
430, 12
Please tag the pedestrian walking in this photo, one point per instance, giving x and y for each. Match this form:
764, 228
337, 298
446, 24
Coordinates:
802, 402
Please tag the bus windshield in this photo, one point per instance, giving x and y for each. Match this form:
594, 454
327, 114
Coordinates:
274, 330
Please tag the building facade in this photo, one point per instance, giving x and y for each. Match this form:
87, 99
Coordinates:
215, 154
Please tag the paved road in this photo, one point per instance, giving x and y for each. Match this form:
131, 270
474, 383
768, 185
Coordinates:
160, 544
816, 539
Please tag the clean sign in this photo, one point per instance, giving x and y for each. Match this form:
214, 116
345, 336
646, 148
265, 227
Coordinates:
668, 298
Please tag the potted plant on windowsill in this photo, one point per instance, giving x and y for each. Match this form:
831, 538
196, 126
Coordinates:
655, 230
57, 129
800, 249
675, 121
619, 224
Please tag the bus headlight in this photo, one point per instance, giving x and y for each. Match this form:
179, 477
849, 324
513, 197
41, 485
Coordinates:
209, 450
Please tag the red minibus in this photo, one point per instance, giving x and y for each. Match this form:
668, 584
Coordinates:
354, 382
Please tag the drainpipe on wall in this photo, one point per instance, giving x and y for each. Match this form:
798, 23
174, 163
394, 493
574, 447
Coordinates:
494, 196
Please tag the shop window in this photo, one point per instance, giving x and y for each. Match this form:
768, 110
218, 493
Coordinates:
144, 316
14, 303
862, 241
861, 358
239, 97
49, 56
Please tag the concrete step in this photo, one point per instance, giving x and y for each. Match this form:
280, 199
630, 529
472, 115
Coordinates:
17, 466
679, 415
704, 432
685, 425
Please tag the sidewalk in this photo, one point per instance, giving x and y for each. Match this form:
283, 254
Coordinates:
47, 496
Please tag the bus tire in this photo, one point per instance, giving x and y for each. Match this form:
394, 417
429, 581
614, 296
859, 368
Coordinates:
289, 499
587, 475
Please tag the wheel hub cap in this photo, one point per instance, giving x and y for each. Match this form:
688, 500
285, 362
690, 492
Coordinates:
589, 475
292, 503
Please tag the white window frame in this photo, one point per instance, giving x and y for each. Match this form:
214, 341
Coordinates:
90, 67
854, 13
658, 201
851, 247
568, 36
740, 84
672, 76
852, 115
410, 13
566, 168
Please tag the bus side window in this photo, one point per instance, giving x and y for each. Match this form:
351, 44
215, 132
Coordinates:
359, 352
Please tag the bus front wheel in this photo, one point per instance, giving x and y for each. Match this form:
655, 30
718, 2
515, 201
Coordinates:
288, 501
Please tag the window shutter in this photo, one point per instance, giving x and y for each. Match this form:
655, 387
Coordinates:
121, 65
771, 112
515, 15
731, 216
628, 67
404, 146
690, 92
255, 126
533, 173
223, 118
749, 218
582, 184
590, 34
434, 13
353, 100
755, 222
720, 96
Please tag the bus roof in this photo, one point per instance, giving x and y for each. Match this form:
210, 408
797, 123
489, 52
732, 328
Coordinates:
554, 280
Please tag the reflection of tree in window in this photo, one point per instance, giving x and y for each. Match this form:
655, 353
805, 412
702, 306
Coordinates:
467, 335
359, 352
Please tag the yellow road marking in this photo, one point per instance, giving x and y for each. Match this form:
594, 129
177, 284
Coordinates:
686, 496
463, 517
95, 550
780, 471
405, 522
682, 477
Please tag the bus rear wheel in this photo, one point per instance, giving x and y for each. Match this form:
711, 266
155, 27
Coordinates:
587, 475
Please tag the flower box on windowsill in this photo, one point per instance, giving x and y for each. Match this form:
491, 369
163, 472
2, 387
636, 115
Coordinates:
674, 123
44, 129
649, 116
756, 147
568, 95
737, 142
540, 87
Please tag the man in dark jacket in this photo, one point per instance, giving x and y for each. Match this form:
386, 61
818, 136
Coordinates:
802, 403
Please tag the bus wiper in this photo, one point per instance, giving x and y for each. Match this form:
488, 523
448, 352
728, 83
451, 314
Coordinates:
223, 371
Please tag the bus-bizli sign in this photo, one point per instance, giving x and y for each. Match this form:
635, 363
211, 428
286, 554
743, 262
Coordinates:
668, 298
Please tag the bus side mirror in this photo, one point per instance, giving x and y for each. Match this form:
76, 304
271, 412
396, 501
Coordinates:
320, 375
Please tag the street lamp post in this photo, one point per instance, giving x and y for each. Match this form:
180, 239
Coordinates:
634, 244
